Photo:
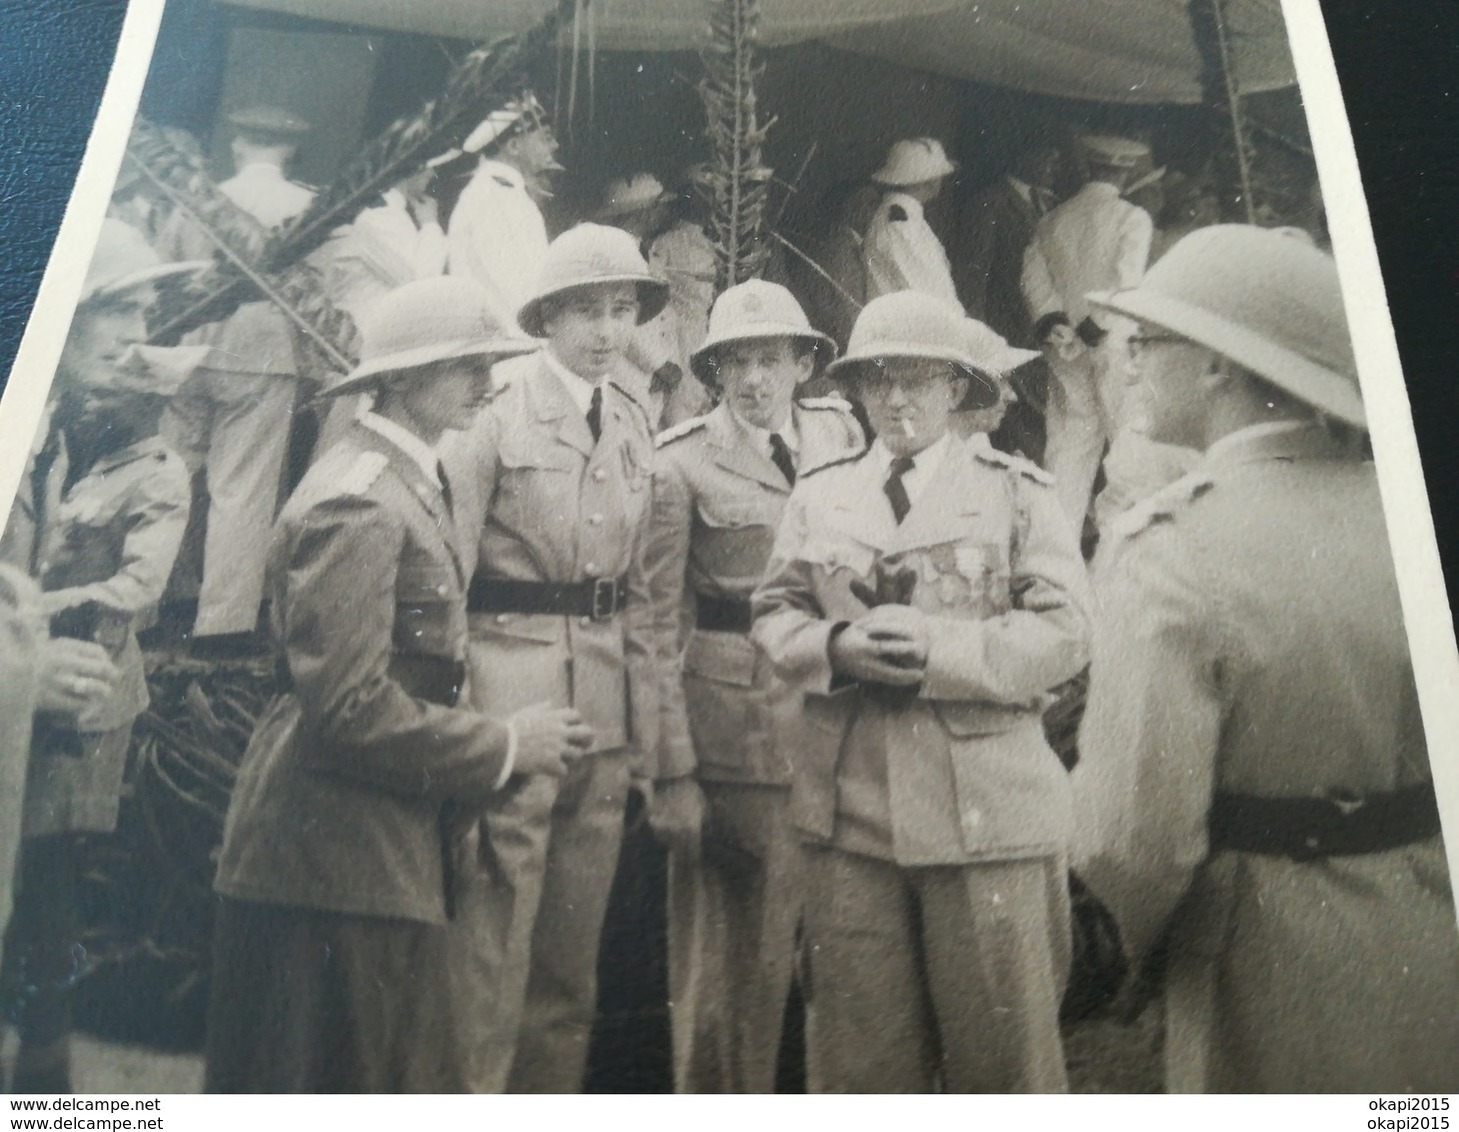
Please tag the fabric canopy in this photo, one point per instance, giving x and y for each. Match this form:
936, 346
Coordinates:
1125, 51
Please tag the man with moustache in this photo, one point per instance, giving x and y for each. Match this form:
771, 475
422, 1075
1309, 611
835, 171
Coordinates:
553, 486
924, 598
720, 484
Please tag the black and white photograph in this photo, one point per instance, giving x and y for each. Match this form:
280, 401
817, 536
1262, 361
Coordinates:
721, 546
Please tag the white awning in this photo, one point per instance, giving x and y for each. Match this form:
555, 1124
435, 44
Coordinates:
1130, 51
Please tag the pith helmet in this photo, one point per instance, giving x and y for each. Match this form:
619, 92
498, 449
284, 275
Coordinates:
122, 259
757, 309
1115, 152
910, 324
430, 320
589, 254
912, 161
1269, 302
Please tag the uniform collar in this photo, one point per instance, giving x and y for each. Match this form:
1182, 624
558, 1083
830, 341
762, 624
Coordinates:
420, 453
906, 200
579, 388
509, 175
761, 436
1273, 440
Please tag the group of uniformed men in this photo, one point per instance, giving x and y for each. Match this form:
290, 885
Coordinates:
819, 642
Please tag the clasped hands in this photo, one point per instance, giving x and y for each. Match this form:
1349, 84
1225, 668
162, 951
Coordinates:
886, 645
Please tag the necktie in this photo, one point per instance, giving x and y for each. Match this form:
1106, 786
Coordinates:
896, 491
780, 455
595, 413
445, 486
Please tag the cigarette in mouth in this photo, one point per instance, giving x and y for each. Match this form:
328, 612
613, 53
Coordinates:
908, 429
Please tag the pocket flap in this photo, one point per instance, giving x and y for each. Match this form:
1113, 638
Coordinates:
727, 657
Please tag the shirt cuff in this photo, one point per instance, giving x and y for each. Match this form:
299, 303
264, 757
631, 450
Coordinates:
509, 764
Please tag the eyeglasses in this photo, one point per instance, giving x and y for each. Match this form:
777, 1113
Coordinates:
1139, 342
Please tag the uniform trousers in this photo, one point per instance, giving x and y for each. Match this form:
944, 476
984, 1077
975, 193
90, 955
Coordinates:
733, 917
556, 846
236, 427
307, 1001
945, 976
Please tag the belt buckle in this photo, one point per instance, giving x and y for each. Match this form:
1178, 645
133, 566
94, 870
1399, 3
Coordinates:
605, 598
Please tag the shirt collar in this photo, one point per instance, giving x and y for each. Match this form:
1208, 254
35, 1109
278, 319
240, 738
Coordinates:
924, 463
413, 446
1022, 188
579, 388
1243, 436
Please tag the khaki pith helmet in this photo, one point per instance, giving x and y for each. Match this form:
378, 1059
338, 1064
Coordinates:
428, 321
122, 259
910, 324
912, 161
589, 254
1266, 300
757, 309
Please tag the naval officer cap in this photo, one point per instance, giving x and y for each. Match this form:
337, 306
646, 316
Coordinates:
268, 124
1114, 152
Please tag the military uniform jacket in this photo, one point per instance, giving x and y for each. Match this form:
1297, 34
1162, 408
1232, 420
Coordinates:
1251, 641
497, 237
341, 797
537, 500
110, 540
717, 502
967, 773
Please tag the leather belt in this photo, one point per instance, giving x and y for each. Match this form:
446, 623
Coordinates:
598, 598
722, 614
1305, 829
426, 676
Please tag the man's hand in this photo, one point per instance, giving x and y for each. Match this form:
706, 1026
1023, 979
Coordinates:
73, 675
676, 814
887, 658
904, 629
549, 739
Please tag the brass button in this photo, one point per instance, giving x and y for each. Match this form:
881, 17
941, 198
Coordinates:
443, 589
585, 621
595, 519
599, 475
591, 568
501, 618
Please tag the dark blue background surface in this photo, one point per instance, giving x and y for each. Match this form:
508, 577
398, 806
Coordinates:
1399, 64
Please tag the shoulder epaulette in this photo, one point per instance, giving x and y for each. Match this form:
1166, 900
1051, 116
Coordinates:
681, 430
361, 474
832, 402
1163, 506
853, 458
896, 212
1026, 468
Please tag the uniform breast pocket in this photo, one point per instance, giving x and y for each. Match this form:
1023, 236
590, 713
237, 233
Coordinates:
734, 539
429, 610
969, 577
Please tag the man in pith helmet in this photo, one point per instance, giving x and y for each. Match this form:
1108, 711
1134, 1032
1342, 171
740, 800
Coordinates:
923, 598
1095, 240
350, 830
97, 524
721, 482
902, 252
1254, 787
553, 486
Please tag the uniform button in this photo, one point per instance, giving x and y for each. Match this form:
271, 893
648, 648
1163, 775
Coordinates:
595, 519
599, 475
443, 589
501, 618
591, 568
585, 621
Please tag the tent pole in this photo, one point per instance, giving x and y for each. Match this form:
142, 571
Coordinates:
1219, 88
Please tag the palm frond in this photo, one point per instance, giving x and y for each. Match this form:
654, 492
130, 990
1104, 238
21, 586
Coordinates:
1221, 99
736, 182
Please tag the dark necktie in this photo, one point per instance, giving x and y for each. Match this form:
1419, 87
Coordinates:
595, 413
445, 486
896, 490
780, 455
